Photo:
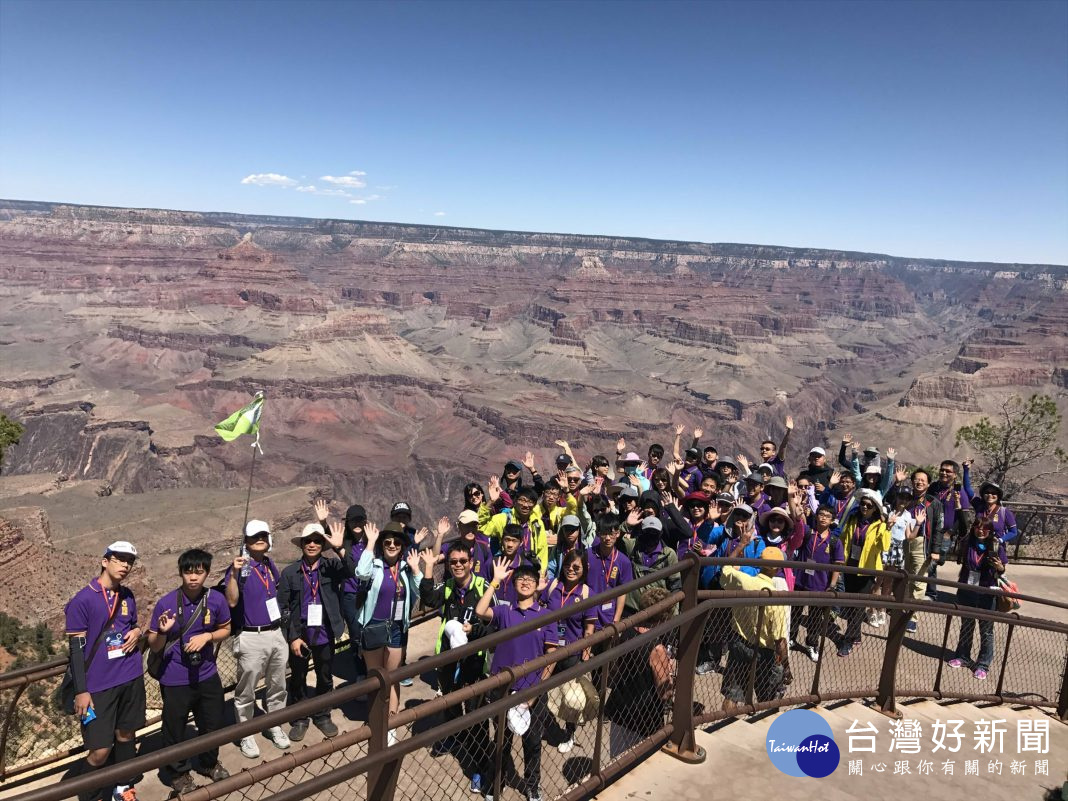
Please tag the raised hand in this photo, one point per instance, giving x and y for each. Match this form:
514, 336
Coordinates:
337, 533
900, 475
678, 464
562, 443
891, 453
679, 429
921, 517
966, 463
239, 562
322, 509
413, 561
370, 530
836, 476
791, 489
789, 423
421, 536
429, 560
743, 463
698, 433
443, 525
642, 467
621, 443
501, 569
494, 488
528, 461
847, 438
634, 518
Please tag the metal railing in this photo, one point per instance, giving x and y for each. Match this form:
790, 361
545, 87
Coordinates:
360, 763
1043, 533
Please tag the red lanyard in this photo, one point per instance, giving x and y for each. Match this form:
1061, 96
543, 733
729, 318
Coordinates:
611, 566
694, 539
109, 605
313, 587
265, 579
398, 588
567, 597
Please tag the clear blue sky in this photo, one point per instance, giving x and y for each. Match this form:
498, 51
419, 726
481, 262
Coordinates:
933, 129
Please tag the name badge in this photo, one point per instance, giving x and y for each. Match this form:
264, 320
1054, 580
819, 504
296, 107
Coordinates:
973, 577
608, 607
273, 613
315, 614
810, 572
114, 645
561, 634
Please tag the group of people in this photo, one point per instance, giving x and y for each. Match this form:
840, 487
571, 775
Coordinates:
527, 544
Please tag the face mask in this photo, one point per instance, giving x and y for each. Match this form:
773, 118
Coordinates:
632, 471
773, 539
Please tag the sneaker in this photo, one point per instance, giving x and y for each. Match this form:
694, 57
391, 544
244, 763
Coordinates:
441, 747
534, 795
705, 668
476, 783
391, 737
408, 682
326, 726
249, 747
183, 783
297, 730
845, 649
911, 627
955, 662
980, 673
124, 792
566, 746
218, 772
489, 795
871, 619
811, 652
278, 737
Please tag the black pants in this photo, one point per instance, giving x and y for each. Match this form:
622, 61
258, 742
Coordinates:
474, 742
815, 624
205, 700
323, 658
855, 614
531, 751
768, 682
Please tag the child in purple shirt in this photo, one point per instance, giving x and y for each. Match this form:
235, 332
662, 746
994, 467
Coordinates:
185, 627
609, 567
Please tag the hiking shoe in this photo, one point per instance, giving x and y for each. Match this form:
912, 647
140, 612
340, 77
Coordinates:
408, 682
811, 652
249, 747
183, 783
566, 746
441, 747
476, 783
124, 792
297, 730
955, 662
218, 772
845, 649
534, 795
980, 673
911, 627
326, 726
278, 737
705, 668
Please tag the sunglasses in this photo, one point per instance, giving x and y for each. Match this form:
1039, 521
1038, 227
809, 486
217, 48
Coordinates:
263, 535
124, 558
458, 562
574, 567
314, 541
867, 505
392, 542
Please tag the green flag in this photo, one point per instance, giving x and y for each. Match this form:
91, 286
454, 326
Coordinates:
244, 421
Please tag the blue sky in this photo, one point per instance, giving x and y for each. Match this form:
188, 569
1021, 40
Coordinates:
935, 129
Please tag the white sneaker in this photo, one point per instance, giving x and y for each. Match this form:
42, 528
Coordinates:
391, 738
566, 746
279, 738
812, 653
249, 747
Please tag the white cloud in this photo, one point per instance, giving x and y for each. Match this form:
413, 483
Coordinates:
352, 180
357, 172
308, 188
268, 179
363, 201
339, 192
439, 214
358, 202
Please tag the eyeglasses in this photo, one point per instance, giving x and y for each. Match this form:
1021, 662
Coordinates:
458, 562
527, 578
124, 558
574, 567
392, 542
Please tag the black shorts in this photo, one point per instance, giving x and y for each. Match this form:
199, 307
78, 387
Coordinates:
121, 707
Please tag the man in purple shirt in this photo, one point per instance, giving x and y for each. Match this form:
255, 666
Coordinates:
948, 491
515, 652
251, 585
821, 547
776, 457
609, 567
105, 664
184, 629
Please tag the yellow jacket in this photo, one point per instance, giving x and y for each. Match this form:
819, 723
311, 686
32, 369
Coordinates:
876, 540
538, 544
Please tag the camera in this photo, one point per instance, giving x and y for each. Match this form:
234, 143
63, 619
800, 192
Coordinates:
194, 659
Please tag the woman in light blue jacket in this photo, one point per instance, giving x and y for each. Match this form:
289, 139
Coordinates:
392, 591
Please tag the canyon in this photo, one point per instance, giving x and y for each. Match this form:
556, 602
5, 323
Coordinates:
401, 361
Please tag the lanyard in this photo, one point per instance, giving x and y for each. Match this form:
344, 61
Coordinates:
694, 539
861, 533
461, 592
611, 566
398, 588
266, 579
109, 605
313, 587
567, 597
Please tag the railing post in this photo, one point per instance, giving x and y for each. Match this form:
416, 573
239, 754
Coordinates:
381, 780
683, 743
941, 657
1062, 702
8, 718
884, 700
1004, 657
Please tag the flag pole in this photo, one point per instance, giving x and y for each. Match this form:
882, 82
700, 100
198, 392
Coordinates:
248, 495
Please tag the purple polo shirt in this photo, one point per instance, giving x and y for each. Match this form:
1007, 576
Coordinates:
1002, 520
648, 559
311, 588
829, 551
260, 584
522, 649
176, 670
692, 476
949, 509
389, 602
975, 564
88, 611
605, 574
483, 565
352, 584
570, 628
778, 465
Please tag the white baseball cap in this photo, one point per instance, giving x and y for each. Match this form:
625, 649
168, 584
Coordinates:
121, 546
253, 527
818, 451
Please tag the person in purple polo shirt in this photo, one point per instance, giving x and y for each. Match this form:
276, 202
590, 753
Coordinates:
467, 526
511, 540
776, 457
185, 627
608, 568
982, 559
821, 547
251, 586
949, 491
513, 653
101, 624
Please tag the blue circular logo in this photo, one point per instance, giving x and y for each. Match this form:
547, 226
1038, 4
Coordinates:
800, 743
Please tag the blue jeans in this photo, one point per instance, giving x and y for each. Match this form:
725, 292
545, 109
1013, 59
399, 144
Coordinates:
967, 629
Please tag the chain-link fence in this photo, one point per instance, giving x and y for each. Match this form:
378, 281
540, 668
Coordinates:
647, 681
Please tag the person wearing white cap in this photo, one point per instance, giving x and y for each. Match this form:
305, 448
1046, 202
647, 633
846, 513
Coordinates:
259, 644
106, 675
818, 471
309, 592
